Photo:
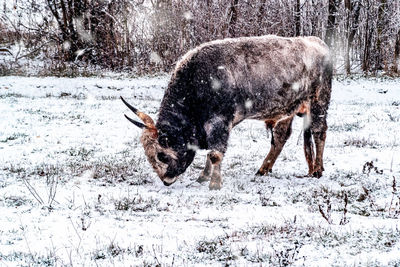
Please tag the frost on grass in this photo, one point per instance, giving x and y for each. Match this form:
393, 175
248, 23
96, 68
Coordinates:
111, 209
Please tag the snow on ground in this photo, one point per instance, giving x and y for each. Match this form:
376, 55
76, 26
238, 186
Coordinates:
76, 189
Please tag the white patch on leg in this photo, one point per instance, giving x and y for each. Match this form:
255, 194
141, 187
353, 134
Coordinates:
307, 121
192, 147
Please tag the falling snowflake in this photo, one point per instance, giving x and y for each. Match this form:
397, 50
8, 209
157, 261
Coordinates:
296, 86
215, 84
188, 15
155, 58
221, 67
66, 45
248, 104
84, 35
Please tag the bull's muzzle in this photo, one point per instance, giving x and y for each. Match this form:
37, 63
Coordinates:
168, 181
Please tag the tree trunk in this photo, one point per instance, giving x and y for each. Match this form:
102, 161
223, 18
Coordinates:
396, 63
330, 28
297, 18
260, 18
367, 48
314, 18
354, 14
233, 17
380, 26
367, 39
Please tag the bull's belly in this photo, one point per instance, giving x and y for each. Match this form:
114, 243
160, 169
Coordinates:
273, 118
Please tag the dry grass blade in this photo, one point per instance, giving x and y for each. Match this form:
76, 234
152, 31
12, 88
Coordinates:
33, 191
344, 219
326, 215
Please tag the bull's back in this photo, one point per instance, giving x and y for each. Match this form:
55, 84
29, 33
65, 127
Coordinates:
254, 77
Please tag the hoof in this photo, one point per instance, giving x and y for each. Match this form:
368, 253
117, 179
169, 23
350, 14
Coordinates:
203, 179
263, 173
317, 174
215, 186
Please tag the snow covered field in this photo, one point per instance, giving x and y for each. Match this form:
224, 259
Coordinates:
76, 189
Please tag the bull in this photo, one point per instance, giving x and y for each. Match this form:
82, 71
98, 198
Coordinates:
218, 84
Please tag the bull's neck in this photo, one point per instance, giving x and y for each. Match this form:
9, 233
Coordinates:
175, 122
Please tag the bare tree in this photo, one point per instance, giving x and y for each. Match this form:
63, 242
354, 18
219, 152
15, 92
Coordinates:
330, 27
353, 8
260, 16
367, 42
396, 61
64, 13
297, 16
150, 35
380, 27
233, 18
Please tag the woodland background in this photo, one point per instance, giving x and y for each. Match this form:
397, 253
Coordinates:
75, 186
148, 36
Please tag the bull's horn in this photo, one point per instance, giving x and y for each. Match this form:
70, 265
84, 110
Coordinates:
147, 120
138, 124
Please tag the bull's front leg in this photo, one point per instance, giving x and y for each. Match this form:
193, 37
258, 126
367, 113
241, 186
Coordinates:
206, 173
217, 130
216, 178
212, 170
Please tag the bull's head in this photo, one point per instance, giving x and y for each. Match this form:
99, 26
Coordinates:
167, 162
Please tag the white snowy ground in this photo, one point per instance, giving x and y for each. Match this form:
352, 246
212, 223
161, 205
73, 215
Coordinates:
68, 137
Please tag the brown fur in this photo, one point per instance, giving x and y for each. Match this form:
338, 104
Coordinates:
216, 178
152, 148
281, 132
221, 83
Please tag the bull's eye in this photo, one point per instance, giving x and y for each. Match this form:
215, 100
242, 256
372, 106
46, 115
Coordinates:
163, 140
162, 157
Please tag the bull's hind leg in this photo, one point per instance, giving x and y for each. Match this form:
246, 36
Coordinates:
318, 128
319, 109
280, 134
308, 141
309, 150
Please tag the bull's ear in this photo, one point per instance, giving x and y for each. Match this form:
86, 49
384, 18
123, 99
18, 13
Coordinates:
154, 132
